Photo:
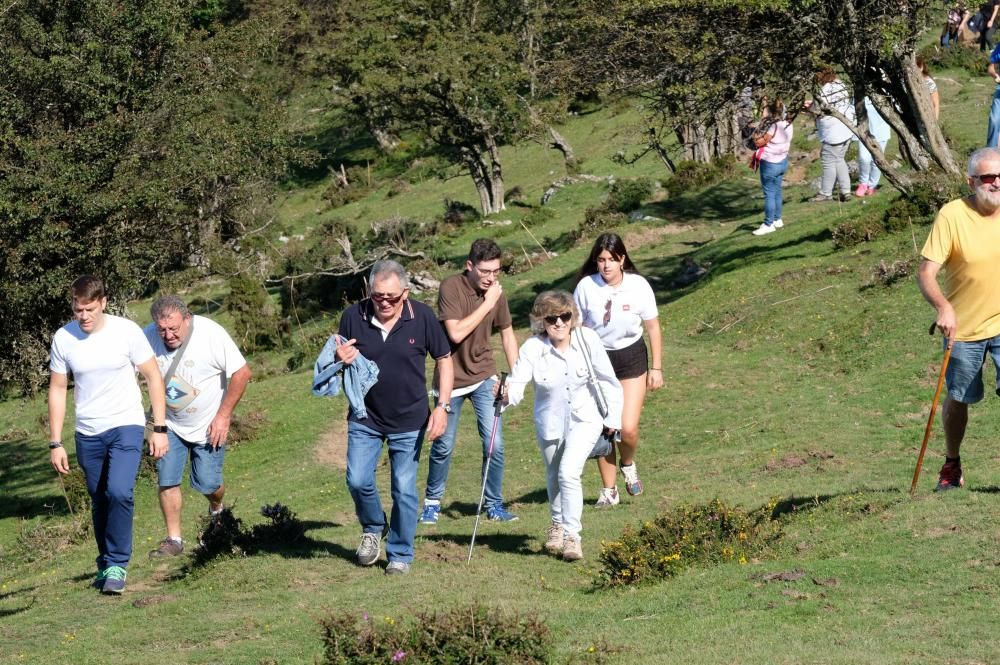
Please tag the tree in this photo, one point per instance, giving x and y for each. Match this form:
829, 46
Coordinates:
447, 70
131, 143
692, 60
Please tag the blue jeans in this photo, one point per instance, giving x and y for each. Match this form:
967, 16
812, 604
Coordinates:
364, 447
771, 175
441, 449
993, 128
110, 463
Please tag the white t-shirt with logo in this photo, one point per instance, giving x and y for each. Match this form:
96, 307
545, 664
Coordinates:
103, 365
198, 385
624, 306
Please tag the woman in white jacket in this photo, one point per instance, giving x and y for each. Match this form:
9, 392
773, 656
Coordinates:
567, 417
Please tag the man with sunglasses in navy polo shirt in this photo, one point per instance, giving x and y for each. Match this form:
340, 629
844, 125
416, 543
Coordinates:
397, 334
965, 240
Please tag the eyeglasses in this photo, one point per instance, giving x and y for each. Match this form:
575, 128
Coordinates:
987, 178
565, 317
392, 300
607, 312
488, 273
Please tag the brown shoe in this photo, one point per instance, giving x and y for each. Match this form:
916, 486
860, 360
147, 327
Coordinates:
168, 547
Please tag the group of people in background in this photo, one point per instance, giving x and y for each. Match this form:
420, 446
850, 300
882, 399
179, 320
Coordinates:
586, 359
772, 142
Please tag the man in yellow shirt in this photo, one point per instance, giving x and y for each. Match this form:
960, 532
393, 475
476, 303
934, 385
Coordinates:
965, 240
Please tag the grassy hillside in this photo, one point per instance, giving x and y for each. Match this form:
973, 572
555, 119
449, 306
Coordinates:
795, 375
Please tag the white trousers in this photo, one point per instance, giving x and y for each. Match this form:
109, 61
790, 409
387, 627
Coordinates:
564, 461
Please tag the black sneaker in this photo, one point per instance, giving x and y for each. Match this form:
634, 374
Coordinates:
168, 548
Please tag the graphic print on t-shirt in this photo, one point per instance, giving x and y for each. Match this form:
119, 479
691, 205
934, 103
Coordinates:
180, 393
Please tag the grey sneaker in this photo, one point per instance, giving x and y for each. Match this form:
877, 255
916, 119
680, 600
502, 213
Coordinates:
369, 549
572, 549
168, 547
114, 581
397, 568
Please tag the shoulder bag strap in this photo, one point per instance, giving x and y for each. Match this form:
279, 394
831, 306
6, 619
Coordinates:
602, 401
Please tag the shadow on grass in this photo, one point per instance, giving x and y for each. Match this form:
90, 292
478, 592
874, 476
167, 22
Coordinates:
511, 543
26, 468
14, 594
986, 489
536, 496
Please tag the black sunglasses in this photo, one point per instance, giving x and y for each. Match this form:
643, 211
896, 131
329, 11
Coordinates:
565, 317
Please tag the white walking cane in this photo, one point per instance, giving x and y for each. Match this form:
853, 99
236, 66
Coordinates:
497, 408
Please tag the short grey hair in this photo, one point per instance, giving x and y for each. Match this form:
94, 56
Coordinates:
982, 155
164, 306
388, 267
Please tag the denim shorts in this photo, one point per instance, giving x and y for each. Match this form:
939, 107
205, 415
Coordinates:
206, 464
965, 369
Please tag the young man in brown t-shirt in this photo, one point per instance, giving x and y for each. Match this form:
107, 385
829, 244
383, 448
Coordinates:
471, 305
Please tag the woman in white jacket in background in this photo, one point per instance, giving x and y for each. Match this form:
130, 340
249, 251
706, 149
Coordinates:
558, 359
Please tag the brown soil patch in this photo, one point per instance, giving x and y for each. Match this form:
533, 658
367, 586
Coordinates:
331, 449
153, 600
786, 462
444, 551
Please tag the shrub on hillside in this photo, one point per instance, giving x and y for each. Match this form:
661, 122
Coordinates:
688, 535
957, 57
857, 230
695, 175
473, 634
919, 208
627, 195
256, 325
224, 535
457, 213
538, 216
596, 220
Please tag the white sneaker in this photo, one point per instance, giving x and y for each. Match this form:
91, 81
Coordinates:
764, 229
609, 497
572, 549
777, 223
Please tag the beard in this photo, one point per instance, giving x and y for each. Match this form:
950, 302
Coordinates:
987, 199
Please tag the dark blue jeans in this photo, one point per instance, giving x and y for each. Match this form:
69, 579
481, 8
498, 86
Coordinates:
771, 175
110, 462
441, 449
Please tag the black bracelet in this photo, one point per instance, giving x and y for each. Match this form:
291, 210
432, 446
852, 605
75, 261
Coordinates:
159, 429
55, 444
658, 369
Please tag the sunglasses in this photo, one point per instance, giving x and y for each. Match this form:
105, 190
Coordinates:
565, 317
392, 300
987, 178
607, 312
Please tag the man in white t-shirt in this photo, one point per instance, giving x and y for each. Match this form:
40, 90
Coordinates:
102, 352
206, 384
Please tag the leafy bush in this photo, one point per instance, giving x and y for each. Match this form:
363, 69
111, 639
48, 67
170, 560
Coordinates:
956, 57
627, 195
256, 325
695, 175
224, 534
598, 219
538, 216
689, 535
918, 208
864, 228
458, 213
465, 635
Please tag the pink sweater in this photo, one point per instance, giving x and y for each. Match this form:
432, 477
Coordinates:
776, 149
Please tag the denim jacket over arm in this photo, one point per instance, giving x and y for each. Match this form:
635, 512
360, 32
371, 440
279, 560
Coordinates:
358, 377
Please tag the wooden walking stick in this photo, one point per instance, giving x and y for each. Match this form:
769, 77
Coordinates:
930, 418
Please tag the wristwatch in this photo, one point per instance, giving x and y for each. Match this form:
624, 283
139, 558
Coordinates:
55, 444
446, 406
159, 429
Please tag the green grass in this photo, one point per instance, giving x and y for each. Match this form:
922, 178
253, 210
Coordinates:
788, 377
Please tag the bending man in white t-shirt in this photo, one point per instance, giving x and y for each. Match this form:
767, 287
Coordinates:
102, 352
202, 391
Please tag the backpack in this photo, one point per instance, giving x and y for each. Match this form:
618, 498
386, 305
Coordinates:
977, 23
752, 134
